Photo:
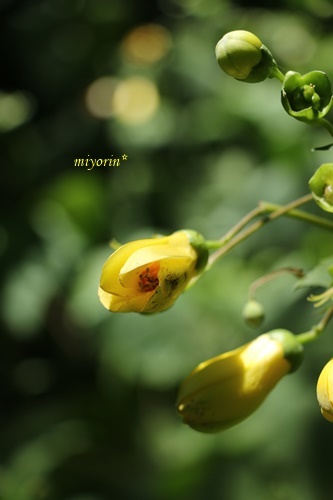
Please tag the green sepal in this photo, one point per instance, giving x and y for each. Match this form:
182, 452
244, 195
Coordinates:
199, 244
292, 349
321, 186
263, 69
307, 97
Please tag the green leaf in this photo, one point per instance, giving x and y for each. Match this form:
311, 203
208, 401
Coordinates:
321, 275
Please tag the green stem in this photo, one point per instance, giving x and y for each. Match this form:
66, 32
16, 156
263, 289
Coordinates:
278, 212
299, 214
236, 235
240, 225
316, 330
328, 125
270, 276
276, 73
266, 207
215, 244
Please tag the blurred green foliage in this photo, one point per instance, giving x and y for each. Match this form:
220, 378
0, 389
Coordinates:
87, 397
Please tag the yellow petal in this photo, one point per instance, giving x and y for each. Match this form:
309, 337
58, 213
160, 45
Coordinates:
264, 364
116, 303
148, 254
327, 415
110, 273
210, 372
158, 302
325, 391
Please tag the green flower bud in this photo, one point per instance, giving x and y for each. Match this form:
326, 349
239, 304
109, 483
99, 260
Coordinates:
242, 55
253, 313
307, 97
321, 185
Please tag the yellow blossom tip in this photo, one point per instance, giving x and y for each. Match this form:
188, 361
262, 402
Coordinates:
325, 391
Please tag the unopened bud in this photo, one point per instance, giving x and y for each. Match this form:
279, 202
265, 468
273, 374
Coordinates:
253, 313
242, 55
222, 391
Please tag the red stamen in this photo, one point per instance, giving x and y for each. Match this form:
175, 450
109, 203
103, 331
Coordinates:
148, 279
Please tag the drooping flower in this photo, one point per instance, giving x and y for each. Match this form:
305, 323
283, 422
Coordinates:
148, 275
224, 390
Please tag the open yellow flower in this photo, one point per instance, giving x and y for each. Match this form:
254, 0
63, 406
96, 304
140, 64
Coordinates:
325, 391
148, 275
224, 390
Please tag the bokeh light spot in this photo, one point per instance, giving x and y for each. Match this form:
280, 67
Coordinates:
135, 100
99, 96
146, 44
293, 53
15, 109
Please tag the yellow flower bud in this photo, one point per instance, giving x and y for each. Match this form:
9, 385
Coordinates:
325, 391
224, 390
242, 55
148, 275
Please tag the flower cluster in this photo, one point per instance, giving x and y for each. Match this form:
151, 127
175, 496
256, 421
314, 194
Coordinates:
148, 275
307, 98
243, 56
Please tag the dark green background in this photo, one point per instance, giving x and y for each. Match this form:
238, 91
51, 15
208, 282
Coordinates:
87, 397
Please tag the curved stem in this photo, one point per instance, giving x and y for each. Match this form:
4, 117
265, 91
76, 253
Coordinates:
235, 235
240, 225
267, 207
328, 125
315, 331
257, 225
270, 276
